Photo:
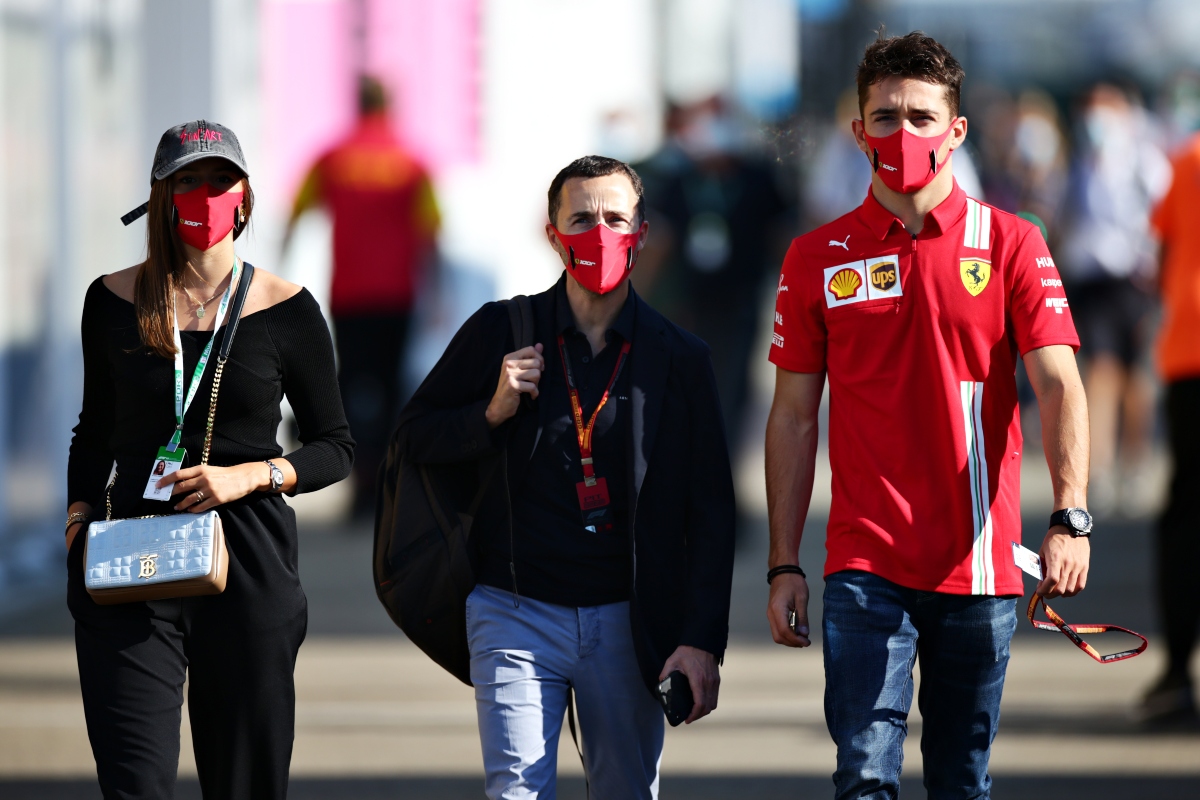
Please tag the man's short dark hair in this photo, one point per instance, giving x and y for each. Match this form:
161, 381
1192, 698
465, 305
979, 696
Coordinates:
372, 96
593, 167
914, 55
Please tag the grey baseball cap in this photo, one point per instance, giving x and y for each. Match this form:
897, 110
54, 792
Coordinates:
191, 141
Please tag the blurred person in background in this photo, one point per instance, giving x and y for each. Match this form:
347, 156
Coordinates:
1108, 262
917, 305
1037, 161
726, 222
235, 651
1177, 223
838, 176
385, 223
1179, 108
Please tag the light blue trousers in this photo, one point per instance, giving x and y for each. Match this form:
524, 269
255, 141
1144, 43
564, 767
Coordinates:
523, 660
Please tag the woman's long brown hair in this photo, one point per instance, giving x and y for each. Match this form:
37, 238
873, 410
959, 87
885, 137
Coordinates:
154, 287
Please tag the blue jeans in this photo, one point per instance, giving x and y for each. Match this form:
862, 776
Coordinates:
522, 662
873, 632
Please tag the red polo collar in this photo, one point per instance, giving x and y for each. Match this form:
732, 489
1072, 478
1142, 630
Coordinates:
880, 221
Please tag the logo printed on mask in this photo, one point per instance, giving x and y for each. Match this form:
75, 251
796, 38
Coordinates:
206, 215
599, 259
909, 162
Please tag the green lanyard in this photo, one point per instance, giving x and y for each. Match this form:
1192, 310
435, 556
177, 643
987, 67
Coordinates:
181, 404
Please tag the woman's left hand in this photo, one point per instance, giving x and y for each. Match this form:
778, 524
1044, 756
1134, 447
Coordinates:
202, 488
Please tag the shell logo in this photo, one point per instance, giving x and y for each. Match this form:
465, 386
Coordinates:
845, 283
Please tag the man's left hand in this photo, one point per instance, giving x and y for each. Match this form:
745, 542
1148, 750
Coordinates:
1065, 561
700, 667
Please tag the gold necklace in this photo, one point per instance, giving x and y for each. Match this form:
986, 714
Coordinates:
196, 272
200, 304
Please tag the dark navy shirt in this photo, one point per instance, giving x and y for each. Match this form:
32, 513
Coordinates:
557, 559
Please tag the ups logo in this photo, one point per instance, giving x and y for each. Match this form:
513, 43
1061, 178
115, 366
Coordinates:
883, 275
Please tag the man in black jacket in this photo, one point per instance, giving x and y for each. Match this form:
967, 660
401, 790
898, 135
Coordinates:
604, 553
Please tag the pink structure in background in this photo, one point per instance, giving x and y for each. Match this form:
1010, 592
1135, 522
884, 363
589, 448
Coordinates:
426, 53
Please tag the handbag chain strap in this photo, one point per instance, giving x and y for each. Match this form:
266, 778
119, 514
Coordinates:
208, 434
212, 410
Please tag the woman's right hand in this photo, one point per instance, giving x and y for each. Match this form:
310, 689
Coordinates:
519, 373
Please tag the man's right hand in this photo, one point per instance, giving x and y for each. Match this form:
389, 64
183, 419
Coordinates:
519, 374
789, 592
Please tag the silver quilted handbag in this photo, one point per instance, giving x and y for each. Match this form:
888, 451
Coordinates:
150, 558
169, 555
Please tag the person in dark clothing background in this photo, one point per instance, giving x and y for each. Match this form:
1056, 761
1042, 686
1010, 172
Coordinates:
385, 223
604, 555
726, 227
236, 650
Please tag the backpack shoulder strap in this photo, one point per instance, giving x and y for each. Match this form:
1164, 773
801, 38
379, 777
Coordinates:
520, 316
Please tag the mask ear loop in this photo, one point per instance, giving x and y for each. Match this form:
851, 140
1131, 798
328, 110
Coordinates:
239, 222
629, 259
174, 216
571, 254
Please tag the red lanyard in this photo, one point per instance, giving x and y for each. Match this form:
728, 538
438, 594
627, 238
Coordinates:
1073, 632
584, 433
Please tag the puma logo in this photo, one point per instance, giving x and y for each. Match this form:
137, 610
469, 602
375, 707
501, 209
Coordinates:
844, 245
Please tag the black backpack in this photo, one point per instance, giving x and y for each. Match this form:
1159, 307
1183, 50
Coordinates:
423, 516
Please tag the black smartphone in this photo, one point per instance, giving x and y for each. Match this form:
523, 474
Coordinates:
675, 694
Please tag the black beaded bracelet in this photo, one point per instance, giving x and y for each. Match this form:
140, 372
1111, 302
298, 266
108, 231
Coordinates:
785, 569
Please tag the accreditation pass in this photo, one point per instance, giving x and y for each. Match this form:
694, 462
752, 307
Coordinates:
1029, 561
165, 463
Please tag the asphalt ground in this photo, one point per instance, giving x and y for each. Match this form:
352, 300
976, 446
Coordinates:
377, 719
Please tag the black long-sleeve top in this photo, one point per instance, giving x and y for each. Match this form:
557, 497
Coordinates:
129, 408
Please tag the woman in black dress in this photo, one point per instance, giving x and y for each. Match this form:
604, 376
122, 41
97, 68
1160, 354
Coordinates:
237, 649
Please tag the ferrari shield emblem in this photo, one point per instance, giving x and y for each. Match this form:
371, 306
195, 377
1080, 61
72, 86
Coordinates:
975, 274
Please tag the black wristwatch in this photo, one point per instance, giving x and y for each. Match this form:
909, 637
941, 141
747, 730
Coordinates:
1077, 521
276, 478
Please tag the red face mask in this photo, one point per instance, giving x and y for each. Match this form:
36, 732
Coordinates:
206, 215
600, 258
904, 161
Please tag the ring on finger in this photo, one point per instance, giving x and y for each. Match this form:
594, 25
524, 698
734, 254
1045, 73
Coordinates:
199, 496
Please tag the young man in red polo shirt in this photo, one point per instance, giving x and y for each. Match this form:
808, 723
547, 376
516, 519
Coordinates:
917, 305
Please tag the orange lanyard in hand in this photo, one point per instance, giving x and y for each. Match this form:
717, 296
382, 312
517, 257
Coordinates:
1073, 632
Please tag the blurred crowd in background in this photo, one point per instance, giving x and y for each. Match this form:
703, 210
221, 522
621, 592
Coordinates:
735, 112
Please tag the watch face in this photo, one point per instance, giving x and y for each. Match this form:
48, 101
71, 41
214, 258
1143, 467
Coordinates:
1080, 519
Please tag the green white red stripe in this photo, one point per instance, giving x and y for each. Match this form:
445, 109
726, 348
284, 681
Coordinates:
983, 573
978, 228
